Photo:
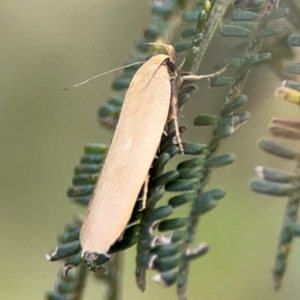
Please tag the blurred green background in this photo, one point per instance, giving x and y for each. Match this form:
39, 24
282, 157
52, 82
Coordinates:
47, 45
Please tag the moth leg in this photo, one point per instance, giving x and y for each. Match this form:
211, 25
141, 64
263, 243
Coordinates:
178, 135
145, 192
173, 113
199, 77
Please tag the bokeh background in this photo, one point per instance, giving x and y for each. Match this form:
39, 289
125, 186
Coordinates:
47, 45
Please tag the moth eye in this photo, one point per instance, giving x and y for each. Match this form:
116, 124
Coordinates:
170, 64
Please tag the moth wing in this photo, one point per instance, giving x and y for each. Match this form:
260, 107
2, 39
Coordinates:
134, 145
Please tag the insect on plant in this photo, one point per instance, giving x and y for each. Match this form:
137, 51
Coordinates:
150, 103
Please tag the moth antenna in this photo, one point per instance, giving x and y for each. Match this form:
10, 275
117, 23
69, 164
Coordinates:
99, 75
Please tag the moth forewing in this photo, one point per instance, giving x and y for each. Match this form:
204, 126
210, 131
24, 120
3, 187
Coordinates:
134, 145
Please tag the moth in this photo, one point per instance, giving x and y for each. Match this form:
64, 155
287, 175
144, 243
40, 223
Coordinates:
150, 102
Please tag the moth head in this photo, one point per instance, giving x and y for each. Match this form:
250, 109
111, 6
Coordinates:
169, 49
